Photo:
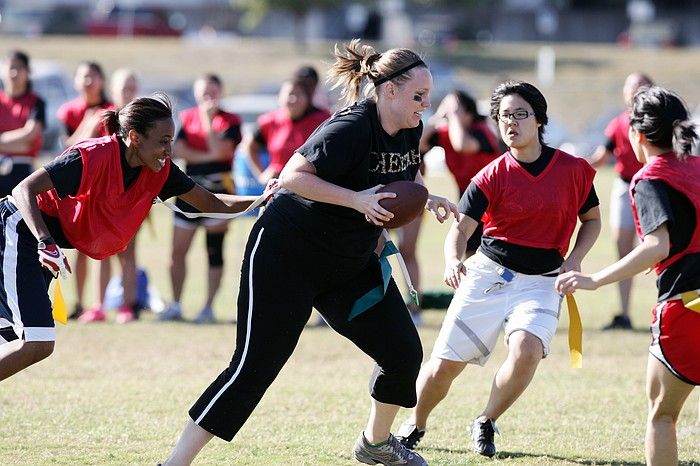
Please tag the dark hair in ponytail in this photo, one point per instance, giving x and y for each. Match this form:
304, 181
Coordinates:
663, 118
140, 115
357, 64
468, 104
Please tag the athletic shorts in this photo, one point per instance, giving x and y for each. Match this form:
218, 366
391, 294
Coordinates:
675, 339
25, 308
485, 302
621, 217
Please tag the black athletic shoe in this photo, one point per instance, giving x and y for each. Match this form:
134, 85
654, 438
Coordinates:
619, 322
482, 437
77, 312
409, 435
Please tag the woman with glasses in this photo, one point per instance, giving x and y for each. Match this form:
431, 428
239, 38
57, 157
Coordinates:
530, 199
626, 165
665, 197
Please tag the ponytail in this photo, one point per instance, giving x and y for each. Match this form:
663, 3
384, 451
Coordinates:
358, 64
110, 121
663, 118
352, 65
684, 136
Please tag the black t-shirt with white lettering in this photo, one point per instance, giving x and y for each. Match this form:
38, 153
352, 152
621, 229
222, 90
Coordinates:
351, 150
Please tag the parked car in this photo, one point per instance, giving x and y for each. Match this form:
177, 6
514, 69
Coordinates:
32, 19
141, 21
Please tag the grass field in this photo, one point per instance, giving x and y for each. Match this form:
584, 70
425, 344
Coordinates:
118, 395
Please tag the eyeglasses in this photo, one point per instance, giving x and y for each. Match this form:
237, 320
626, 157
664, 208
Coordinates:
516, 115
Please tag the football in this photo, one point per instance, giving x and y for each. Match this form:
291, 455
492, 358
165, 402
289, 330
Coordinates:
408, 204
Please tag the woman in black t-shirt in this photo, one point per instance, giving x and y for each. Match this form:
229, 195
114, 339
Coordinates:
314, 247
665, 197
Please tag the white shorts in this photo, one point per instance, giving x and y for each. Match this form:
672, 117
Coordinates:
621, 217
485, 301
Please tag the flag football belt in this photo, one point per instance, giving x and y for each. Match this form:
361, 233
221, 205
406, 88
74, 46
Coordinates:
376, 294
691, 299
257, 203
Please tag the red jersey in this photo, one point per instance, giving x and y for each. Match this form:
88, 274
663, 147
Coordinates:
683, 176
283, 136
194, 133
14, 113
72, 113
101, 218
465, 166
538, 212
626, 163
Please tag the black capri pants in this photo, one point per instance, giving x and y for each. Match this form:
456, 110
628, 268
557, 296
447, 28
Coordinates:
283, 276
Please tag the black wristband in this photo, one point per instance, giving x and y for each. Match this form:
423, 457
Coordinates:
48, 240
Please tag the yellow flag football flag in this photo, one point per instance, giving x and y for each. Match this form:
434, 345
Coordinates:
60, 313
575, 333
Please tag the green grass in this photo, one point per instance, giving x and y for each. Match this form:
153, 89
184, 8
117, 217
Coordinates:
118, 395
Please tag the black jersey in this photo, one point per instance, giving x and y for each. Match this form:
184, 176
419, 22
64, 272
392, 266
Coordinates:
351, 150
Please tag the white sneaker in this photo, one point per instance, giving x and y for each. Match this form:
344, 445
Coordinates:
171, 312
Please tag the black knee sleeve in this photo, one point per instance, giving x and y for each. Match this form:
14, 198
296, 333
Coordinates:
394, 378
215, 249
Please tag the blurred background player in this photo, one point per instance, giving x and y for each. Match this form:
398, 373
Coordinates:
284, 130
22, 121
469, 145
123, 89
206, 142
626, 165
82, 119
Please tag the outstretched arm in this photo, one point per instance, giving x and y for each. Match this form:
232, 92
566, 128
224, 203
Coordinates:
654, 247
441, 207
206, 201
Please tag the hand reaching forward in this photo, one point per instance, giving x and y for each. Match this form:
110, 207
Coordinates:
441, 208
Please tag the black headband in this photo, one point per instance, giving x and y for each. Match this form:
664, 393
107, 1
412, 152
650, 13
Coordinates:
399, 72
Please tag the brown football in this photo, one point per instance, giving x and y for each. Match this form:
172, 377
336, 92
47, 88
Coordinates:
408, 204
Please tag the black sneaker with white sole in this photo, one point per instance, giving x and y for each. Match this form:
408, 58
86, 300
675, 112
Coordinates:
409, 435
482, 434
